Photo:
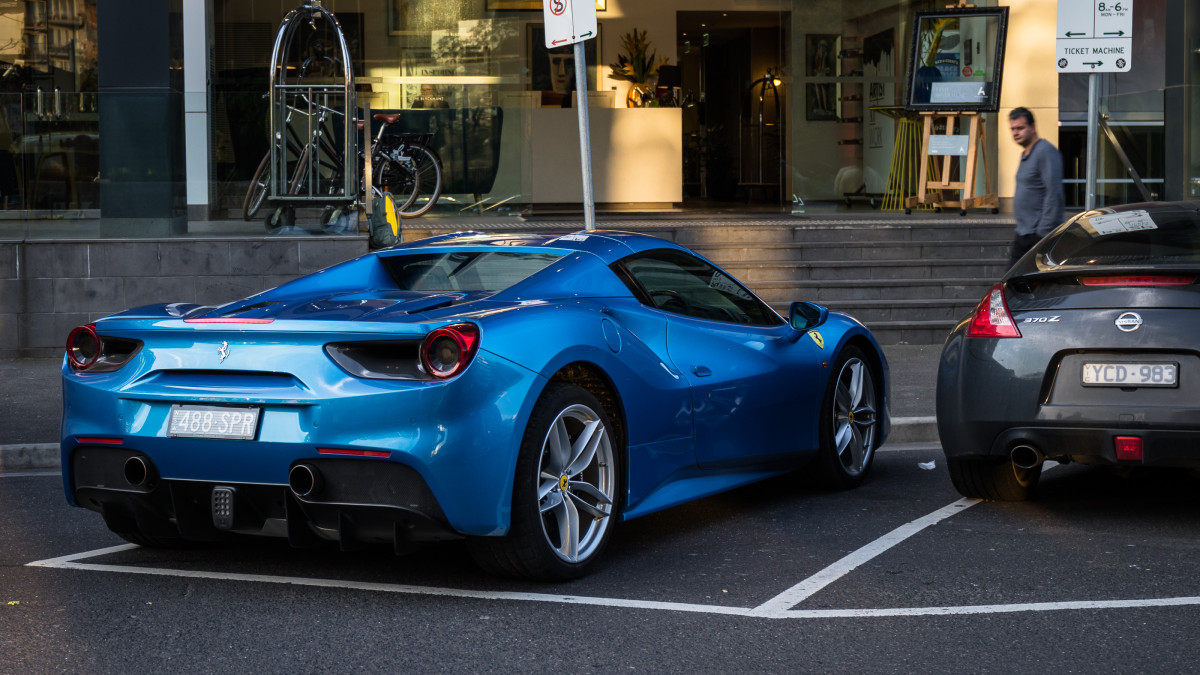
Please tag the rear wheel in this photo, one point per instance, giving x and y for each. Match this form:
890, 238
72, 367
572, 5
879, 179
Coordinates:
849, 422
997, 480
429, 168
564, 492
258, 188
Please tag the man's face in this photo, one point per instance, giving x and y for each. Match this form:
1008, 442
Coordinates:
1023, 132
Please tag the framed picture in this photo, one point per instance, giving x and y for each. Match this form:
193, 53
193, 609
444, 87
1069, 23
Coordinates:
821, 51
957, 59
601, 5
549, 67
820, 101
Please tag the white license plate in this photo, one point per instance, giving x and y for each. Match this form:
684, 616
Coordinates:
1131, 374
211, 421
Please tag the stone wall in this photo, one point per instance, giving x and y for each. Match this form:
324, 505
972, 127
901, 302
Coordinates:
49, 287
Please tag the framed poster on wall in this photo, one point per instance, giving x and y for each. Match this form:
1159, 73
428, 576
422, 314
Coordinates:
957, 59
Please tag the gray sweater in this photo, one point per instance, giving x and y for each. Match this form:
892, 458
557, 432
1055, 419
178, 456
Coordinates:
1038, 201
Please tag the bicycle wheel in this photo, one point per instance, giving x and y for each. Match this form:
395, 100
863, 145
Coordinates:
398, 178
429, 187
258, 188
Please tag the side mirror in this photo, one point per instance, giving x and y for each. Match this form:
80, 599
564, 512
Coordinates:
807, 315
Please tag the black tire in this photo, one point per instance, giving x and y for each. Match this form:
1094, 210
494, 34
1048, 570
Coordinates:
258, 188
397, 178
535, 546
429, 189
996, 480
849, 429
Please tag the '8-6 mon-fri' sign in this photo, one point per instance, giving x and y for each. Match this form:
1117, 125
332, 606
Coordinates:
1094, 36
569, 21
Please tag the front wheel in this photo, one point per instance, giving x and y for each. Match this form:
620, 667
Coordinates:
258, 188
849, 422
997, 480
564, 492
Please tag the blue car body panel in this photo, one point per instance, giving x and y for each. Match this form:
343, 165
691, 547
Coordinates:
704, 405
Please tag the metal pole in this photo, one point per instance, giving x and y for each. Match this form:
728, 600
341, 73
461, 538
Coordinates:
585, 136
1093, 140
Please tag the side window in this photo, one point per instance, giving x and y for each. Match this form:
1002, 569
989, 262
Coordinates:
677, 282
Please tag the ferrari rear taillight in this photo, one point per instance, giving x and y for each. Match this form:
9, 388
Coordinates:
447, 350
992, 318
88, 350
83, 347
1150, 280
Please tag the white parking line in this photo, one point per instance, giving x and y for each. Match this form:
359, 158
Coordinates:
779, 607
801, 591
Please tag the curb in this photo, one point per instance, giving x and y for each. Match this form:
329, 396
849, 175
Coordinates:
25, 456
913, 430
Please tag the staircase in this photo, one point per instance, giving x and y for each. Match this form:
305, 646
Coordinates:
910, 280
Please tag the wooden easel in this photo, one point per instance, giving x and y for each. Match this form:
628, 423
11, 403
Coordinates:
933, 190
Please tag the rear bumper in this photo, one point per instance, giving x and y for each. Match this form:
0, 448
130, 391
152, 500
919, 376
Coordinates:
1096, 445
353, 502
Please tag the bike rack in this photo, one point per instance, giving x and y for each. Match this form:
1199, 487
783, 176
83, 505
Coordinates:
318, 90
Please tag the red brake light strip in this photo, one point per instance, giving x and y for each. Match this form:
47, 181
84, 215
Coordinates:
1137, 281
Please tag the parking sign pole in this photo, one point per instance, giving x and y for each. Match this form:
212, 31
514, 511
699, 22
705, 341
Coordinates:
572, 22
585, 137
1093, 140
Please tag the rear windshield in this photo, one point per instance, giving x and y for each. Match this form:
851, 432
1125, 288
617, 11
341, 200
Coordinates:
464, 270
1128, 237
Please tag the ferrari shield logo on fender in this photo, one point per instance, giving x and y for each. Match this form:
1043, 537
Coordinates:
816, 337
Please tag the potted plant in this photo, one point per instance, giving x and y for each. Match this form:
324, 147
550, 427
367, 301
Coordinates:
638, 65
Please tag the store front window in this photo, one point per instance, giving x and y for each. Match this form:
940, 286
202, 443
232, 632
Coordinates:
49, 135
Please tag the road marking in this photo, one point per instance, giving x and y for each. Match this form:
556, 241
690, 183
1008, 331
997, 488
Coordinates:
803, 590
779, 607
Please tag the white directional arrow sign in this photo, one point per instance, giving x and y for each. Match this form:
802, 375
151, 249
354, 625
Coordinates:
1094, 36
569, 21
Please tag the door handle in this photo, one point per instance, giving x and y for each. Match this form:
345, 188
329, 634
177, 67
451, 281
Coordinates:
701, 371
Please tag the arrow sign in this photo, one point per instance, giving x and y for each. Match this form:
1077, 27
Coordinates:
1094, 36
569, 21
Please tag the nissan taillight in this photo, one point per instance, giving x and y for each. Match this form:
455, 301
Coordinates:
992, 318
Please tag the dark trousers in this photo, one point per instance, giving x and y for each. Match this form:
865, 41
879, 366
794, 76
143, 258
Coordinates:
1021, 245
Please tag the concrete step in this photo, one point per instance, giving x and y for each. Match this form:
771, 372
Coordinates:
911, 332
896, 311
755, 272
886, 249
825, 292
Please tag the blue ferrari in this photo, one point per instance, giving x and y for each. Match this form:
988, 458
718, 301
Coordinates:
524, 392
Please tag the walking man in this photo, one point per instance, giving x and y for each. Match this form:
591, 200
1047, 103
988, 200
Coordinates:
1038, 201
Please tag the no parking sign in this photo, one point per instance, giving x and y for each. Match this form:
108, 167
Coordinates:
568, 21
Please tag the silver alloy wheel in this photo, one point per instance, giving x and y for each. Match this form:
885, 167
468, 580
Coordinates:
854, 416
576, 483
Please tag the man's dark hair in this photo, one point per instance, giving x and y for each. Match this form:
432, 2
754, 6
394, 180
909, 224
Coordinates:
1022, 113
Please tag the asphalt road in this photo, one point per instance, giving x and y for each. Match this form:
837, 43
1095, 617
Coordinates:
1098, 575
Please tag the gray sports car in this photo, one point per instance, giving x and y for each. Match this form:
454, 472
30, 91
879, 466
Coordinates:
1088, 350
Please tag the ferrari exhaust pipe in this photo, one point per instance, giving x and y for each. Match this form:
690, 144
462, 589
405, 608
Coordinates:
305, 480
1027, 456
138, 472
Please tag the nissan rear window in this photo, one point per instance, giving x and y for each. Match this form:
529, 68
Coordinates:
464, 270
1135, 237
